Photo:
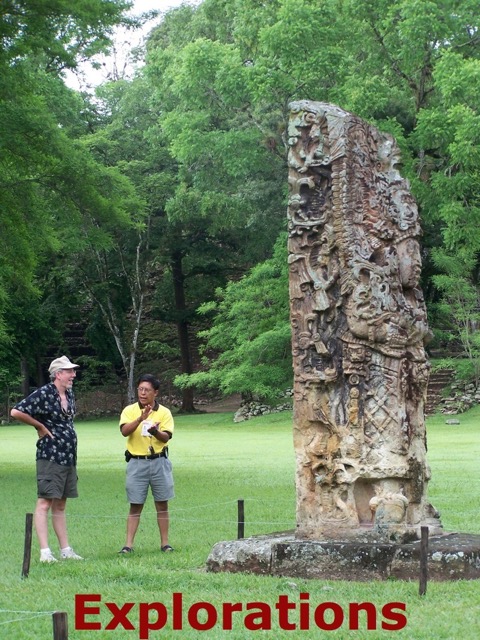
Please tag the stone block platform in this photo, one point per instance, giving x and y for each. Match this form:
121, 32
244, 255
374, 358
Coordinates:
451, 556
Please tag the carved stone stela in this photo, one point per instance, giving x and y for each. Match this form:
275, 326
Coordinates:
359, 327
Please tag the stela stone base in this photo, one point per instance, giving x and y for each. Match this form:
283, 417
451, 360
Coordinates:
451, 556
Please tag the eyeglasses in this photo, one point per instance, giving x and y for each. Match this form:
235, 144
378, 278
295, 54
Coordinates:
145, 390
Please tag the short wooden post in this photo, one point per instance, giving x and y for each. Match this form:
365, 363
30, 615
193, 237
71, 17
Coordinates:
27, 549
60, 625
423, 561
241, 519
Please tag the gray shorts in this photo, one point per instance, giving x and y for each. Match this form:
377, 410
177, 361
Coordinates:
156, 474
56, 481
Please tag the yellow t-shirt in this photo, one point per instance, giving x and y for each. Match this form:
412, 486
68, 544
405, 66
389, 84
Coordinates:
137, 444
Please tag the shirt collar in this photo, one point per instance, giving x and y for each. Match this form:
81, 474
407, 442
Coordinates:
155, 407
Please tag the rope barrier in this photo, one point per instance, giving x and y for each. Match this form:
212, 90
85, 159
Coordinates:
202, 506
240, 522
205, 506
59, 619
27, 615
173, 518
179, 518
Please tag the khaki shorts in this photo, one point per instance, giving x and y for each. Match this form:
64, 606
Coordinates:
156, 474
56, 481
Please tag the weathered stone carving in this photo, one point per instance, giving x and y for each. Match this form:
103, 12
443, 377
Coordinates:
359, 327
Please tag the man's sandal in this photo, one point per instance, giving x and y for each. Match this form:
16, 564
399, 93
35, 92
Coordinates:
167, 548
126, 550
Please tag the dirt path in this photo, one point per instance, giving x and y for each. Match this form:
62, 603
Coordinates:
230, 403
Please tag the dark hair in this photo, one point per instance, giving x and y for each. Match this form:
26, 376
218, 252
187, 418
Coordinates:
147, 377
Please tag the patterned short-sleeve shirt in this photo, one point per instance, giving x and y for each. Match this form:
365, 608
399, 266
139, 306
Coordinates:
45, 406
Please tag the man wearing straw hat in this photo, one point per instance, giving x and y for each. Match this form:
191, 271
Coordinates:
50, 410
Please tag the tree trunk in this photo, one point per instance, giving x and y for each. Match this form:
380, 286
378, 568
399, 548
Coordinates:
25, 373
41, 378
182, 329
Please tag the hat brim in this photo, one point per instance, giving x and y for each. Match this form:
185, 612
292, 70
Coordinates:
55, 369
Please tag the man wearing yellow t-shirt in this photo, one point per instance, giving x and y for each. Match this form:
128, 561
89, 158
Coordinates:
148, 426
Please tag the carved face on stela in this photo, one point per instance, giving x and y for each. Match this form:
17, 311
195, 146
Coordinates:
403, 213
409, 262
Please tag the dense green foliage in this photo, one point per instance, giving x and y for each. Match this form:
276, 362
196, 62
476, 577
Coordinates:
165, 194
54, 194
251, 332
412, 69
227, 469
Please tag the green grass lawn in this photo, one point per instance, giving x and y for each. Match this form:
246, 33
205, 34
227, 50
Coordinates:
216, 462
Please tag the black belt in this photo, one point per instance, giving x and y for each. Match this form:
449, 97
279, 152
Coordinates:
154, 456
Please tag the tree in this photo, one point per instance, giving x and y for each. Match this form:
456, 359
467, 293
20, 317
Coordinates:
409, 67
451, 197
201, 223
459, 313
201, 132
119, 277
58, 32
49, 183
249, 336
